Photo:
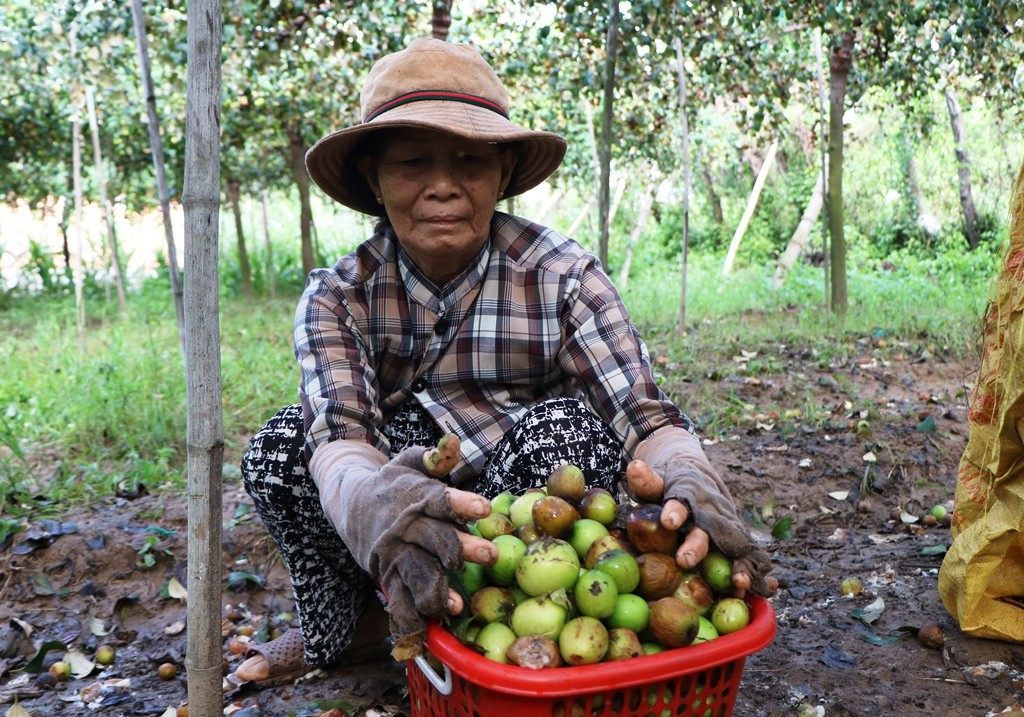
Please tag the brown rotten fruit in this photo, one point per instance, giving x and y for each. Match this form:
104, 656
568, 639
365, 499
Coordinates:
567, 482
554, 516
672, 622
647, 534
535, 652
659, 576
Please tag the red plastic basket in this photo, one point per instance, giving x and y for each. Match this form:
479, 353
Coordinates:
694, 681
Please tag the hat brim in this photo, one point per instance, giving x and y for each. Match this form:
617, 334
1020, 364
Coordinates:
330, 162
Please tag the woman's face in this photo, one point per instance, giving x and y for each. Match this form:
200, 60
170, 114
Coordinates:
439, 192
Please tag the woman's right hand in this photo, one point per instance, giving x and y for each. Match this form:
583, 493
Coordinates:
404, 527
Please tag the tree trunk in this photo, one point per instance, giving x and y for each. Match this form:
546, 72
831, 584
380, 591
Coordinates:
755, 194
157, 150
709, 188
77, 255
620, 192
646, 204
802, 235
441, 19
201, 199
840, 62
611, 49
271, 275
913, 185
684, 129
584, 211
825, 265
963, 163
244, 269
298, 151
108, 213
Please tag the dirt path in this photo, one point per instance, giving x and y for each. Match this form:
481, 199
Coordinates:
794, 454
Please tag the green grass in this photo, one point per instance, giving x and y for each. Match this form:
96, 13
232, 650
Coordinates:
83, 416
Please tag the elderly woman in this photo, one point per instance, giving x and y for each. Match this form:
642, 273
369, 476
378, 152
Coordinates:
453, 318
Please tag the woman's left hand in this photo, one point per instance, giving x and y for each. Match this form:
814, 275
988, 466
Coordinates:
648, 486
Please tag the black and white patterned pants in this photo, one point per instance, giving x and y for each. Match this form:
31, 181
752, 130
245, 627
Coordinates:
330, 589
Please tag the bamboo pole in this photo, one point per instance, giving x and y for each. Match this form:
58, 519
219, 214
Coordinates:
77, 255
749, 211
108, 213
685, 132
157, 150
201, 199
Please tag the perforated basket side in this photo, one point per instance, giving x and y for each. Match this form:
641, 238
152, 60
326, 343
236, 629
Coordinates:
694, 681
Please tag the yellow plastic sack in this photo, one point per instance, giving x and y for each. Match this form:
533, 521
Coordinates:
981, 581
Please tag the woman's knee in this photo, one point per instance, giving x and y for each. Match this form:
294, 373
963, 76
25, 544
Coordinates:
275, 453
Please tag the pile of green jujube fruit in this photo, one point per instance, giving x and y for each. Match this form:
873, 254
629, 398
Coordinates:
581, 579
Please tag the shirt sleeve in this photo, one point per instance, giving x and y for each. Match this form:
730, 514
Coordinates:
337, 385
605, 351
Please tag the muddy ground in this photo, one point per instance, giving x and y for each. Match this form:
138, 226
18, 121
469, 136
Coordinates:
111, 574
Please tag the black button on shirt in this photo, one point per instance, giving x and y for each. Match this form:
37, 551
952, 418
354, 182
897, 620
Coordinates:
441, 326
419, 385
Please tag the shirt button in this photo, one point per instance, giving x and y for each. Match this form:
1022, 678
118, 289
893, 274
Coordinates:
419, 385
441, 326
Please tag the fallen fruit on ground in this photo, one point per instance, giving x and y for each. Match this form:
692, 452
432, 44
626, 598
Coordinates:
105, 655
930, 635
61, 670
850, 587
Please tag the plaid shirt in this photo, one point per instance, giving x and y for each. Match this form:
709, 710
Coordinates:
533, 318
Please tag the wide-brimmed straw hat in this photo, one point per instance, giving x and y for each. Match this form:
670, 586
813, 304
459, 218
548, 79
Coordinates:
434, 85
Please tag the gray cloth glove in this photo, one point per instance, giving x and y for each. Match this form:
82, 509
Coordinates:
676, 456
398, 524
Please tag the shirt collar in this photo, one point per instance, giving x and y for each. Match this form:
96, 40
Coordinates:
437, 299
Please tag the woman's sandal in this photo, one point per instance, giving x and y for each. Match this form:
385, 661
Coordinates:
284, 659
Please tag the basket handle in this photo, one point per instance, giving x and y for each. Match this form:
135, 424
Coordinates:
444, 686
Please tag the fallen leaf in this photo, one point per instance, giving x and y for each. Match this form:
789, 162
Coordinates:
839, 494
170, 712
927, 425
25, 627
804, 463
81, 666
908, 517
36, 664
783, 528
174, 589
98, 627
175, 628
838, 659
237, 580
934, 550
17, 710
870, 613
869, 457
880, 640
